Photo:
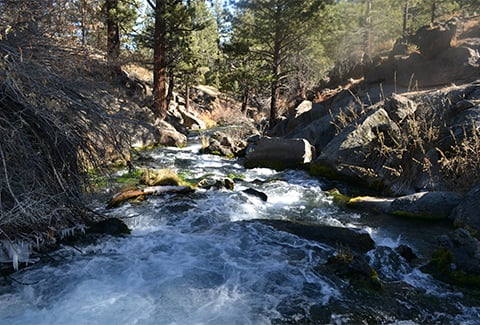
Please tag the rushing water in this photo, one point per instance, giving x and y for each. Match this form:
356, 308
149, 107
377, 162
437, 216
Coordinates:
203, 259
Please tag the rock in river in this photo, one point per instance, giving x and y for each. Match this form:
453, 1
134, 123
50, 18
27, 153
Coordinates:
353, 239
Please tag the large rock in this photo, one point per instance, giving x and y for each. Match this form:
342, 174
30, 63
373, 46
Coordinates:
318, 132
457, 260
190, 120
432, 41
467, 213
356, 240
279, 153
351, 144
425, 205
221, 144
347, 154
399, 107
453, 64
168, 136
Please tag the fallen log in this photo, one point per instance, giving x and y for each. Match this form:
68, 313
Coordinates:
121, 197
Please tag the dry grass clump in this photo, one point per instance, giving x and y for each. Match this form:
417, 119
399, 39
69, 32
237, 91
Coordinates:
407, 155
224, 112
461, 164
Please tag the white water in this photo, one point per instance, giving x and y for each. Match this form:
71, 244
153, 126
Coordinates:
202, 259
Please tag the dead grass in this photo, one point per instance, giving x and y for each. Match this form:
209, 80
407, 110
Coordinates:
461, 164
407, 155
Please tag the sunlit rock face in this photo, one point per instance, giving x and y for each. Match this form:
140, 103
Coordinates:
279, 153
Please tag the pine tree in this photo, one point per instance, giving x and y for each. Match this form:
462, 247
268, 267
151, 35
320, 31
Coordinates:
274, 28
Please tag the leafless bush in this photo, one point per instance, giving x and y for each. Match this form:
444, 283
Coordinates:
54, 126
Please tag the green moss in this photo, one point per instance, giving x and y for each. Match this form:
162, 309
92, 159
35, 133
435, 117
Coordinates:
412, 215
320, 170
97, 181
159, 177
441, 268
233, 176
130, 178
339, 198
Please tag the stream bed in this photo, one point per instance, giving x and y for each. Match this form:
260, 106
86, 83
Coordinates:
204, 258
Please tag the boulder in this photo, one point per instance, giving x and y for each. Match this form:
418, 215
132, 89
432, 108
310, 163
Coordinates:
464, 250
279, 153
467, 213
318, 132
302, 108
464, 122
406, 252
155, 177
160, 134
355, 268
425, 205
253, 192
399, 107
167, 135
223, 145
191, 121
110, 226
215, 147
352, 144
457, 260
369, 203
416, 71
350, 239
432, 41
346, 155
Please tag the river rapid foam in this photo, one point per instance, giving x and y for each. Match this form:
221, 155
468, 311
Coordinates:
204, 258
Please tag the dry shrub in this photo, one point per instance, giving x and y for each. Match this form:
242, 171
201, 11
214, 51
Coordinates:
461, 165
224, 112
407, 155
54, 126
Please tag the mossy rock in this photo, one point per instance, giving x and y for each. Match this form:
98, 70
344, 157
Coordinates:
338, 198
356, 269
442, 267
157, 177
425, 205
370, 203
321, 170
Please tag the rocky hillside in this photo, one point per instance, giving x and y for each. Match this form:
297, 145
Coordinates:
409, 121
406, 125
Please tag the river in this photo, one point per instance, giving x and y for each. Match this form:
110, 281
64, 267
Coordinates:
202, 258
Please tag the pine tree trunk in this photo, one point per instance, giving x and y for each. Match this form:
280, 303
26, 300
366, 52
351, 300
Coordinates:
171, 84
434, 9
405, 18
245, 98
113, 35
159, 63
187, 95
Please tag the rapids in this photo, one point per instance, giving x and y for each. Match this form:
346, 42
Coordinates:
203, 258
